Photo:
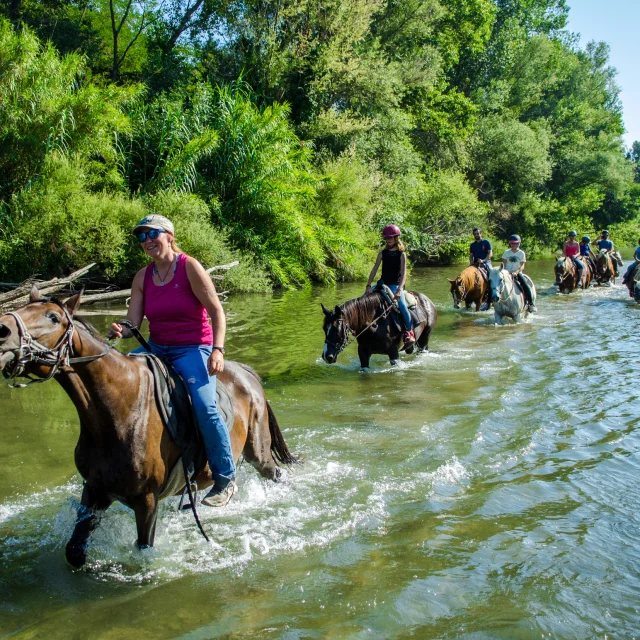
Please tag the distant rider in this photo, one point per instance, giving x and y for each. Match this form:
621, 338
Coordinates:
587, 255
628, 276
394, 275
604, 243
572, 250
480, 254
513, 259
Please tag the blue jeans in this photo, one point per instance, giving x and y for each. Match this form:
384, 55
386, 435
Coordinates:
579, 265
190, 362
402, 305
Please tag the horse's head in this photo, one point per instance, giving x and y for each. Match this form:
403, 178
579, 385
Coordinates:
36, 338
336, 331
458, 291
496, 282
561, 265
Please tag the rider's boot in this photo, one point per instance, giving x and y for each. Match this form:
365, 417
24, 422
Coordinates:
409, 338
221, 493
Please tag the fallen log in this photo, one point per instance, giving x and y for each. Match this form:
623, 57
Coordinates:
45, 287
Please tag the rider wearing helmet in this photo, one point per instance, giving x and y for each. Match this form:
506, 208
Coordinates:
587, 255
571, 250
628, 276
513, 259
604, 243
394, 275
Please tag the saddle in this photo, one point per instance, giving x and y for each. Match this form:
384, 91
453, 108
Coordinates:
412, 304
174, 405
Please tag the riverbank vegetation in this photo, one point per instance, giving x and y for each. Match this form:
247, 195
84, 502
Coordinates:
285, 133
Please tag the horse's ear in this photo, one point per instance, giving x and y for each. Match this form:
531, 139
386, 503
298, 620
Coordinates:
34, 294
72, 304
325, 310
338, 311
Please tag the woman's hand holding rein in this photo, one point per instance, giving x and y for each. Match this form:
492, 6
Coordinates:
118, 331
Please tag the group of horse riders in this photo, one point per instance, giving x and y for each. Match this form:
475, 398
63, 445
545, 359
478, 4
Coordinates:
581, 254
513, 259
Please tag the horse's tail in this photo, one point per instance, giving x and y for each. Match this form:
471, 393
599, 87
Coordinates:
279, 447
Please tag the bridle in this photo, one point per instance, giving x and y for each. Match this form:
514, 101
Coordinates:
503, 288
31, 351
566, 274
349, 335
464, 293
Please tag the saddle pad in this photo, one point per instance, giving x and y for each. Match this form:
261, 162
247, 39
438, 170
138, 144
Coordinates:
411, 300
174, 405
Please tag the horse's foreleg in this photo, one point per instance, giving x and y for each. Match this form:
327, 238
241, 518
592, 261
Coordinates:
364, 355
87, 519
393, 354
146, 509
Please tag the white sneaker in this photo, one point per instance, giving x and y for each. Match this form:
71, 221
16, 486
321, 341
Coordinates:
220, 497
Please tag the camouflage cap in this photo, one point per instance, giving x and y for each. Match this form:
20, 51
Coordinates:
154, 221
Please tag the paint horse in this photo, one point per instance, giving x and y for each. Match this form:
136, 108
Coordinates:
370, 319
507, 296
605, 270
124, 451
469, 287
567, 275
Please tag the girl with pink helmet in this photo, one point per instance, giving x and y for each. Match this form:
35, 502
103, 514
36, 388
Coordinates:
394, 274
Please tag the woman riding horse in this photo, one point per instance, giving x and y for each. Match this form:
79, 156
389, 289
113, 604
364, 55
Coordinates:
514, 260
175, 293
394, 275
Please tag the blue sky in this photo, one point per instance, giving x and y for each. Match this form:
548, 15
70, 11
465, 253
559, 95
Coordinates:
616, 22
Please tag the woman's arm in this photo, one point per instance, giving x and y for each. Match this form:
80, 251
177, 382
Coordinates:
403, 274
135, 313
372, 275
204, 289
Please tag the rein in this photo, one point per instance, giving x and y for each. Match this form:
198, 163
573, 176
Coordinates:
31, 351
350, 335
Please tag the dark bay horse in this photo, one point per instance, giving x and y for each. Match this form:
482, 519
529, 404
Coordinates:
633, 284
124, 451
566, 274
605, 271
369, 319
469, 287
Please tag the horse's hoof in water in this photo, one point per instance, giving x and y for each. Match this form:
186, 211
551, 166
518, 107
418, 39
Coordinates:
393, 363
409, 350
75, 554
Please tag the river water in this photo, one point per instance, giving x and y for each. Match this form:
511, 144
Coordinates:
487, 489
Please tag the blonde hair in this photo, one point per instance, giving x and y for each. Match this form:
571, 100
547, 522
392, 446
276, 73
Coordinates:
399, 245
174, 246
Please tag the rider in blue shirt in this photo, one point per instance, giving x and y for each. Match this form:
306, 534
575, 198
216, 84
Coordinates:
605, 243
587, 254
480, 251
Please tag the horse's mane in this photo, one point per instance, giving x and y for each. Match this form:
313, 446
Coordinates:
359, 311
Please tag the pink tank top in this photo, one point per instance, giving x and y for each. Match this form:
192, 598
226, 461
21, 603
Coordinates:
176, 317
571, 251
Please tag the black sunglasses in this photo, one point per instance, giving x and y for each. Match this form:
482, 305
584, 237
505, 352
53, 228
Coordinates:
152, 234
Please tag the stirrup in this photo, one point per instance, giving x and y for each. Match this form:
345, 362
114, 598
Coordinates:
182, 506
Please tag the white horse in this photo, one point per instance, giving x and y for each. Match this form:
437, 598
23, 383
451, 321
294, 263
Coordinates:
508, 298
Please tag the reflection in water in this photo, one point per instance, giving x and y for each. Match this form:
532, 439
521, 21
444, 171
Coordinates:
485, 489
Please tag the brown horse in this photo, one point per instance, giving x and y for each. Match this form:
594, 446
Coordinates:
469, 287
605, 271
567, 274
124, 451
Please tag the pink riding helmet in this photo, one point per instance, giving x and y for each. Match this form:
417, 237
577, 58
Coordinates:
391, 230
